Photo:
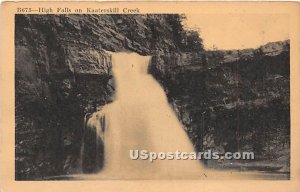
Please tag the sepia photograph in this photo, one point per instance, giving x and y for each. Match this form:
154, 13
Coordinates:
99, 95
111, 95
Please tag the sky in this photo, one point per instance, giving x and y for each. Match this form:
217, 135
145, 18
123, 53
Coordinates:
239, 31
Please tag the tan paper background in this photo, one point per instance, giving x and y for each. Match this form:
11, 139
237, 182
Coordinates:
7, 181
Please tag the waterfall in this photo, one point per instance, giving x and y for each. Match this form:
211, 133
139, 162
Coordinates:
140, 118
92, 149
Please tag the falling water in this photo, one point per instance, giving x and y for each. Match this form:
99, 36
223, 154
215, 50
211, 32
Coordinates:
141, 118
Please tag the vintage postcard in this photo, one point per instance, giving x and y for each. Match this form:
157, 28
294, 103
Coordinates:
168, 96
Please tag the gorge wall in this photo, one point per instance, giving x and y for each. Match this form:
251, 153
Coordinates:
63, 72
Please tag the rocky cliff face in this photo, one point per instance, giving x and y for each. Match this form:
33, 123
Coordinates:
235, 100
63, 72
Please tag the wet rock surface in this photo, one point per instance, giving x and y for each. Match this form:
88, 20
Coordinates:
63, 72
